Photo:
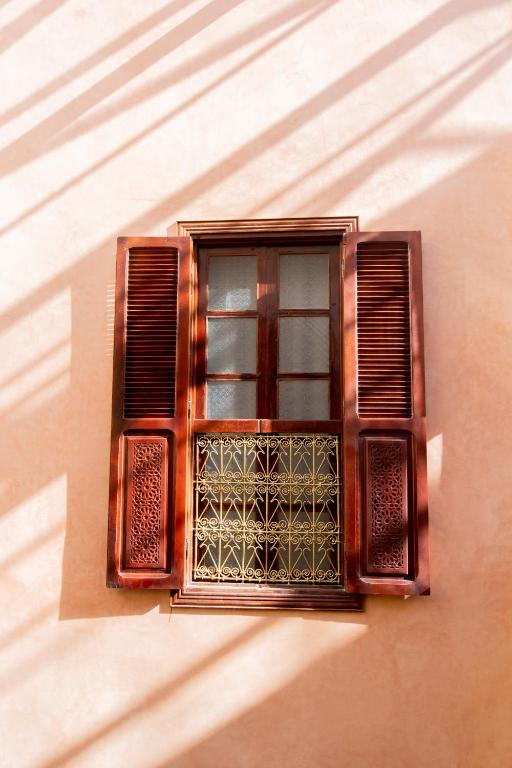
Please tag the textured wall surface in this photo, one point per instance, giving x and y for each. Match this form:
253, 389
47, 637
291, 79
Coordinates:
122, 117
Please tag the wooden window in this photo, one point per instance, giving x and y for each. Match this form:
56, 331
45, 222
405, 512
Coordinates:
270, 351
268, 438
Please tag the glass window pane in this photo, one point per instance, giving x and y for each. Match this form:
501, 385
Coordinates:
304, 399
304, 281
232, 344
231, 400
304, 344
232, 282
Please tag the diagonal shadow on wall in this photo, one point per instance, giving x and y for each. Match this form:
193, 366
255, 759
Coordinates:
83, 592
331, 682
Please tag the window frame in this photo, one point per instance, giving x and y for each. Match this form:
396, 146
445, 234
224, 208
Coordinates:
384, 441
281, 232
268, 315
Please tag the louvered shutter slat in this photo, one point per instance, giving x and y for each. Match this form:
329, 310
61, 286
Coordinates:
151, 321
382, 314
149, 412
384, 458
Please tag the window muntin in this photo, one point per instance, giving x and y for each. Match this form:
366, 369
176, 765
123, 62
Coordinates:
269, 315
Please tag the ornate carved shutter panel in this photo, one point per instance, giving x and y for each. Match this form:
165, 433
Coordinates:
149, 412
384, 458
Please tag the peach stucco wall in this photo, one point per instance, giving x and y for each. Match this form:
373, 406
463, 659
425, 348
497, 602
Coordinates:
121, 117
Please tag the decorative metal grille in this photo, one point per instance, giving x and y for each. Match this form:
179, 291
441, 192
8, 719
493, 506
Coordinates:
267, 509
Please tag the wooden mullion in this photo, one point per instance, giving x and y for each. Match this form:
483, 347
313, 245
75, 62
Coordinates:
232, 376
272, 322
262, 338
304, 313
308, 426
225, 425
292, 376
287, 426
231, 313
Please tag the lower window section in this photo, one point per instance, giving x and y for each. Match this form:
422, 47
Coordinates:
267, 509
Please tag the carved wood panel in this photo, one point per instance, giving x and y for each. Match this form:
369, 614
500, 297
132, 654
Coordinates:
145, 539
385, 504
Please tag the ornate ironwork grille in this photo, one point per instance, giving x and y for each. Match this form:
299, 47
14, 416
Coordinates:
267, 508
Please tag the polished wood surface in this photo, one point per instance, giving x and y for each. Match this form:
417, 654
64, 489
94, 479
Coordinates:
268, 597
262, 242
378, 450
241, 228
395, 502
164, 572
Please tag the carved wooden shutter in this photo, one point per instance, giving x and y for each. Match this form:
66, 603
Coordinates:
384, 452
149, 450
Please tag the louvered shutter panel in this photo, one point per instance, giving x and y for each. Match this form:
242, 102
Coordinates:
149, 449
384, 401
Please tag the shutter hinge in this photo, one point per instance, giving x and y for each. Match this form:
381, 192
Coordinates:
189, 407
186, 549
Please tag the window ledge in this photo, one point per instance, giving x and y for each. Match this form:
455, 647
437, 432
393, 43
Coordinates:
237, 596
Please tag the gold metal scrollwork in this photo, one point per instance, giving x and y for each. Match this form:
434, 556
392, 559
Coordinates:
267, 509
